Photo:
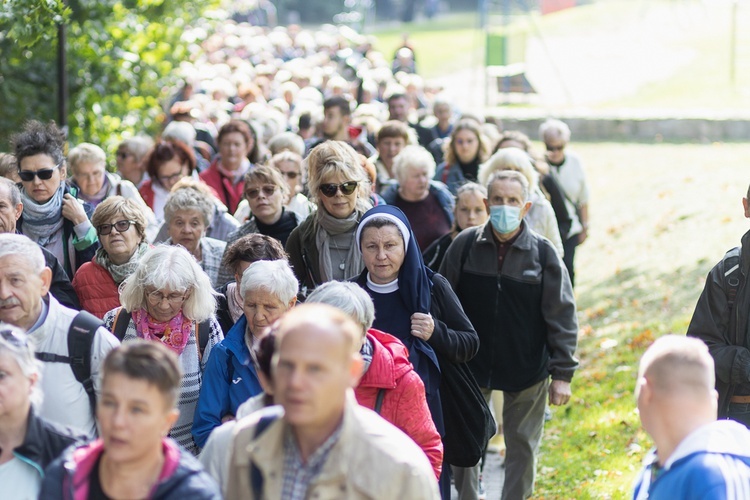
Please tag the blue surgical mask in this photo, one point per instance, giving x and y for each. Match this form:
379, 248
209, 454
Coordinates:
505, 218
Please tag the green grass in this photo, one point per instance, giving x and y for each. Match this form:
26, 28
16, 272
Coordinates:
446, 44
661, 216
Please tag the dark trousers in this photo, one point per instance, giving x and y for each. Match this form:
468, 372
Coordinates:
569, 247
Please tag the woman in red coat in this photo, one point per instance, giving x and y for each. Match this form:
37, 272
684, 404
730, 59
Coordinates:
389, 384
121, 226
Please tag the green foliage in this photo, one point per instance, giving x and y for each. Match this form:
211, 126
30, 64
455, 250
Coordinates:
122, 55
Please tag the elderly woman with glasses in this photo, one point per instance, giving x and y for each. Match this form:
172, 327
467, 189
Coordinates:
28, 443
121, 226
133, 458
52, 215
269, 288
188, 213
169, 299
323, 247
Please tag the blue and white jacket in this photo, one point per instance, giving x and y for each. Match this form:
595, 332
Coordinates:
712, 462
229, 380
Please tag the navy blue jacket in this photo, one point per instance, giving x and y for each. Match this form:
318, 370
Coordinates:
229, 380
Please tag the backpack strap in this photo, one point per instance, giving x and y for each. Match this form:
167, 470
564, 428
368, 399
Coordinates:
80, 339
379, 400
120, 325
202, 331
732, 276
256, 478
444, 176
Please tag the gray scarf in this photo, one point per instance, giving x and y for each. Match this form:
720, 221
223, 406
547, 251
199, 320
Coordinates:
42, 223
329, 225
121, 271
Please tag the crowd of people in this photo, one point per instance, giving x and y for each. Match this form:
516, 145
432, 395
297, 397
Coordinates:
313, 280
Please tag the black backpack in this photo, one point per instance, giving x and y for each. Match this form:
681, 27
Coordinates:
80, 339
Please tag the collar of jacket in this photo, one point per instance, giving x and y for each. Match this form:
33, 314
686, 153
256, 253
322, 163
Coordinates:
523, 241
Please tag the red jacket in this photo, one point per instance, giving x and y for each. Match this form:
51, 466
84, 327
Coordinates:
229, 194
147, 193
96, 289
404, 403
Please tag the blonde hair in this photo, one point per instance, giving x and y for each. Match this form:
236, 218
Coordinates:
173, 267
117, 205
336, 157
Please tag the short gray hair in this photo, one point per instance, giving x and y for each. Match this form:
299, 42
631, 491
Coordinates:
22, 246
181, 131
86, 153
413, 157
274, 276
173, 267
508, 175
509, 159
189, 199
138, 146
13, 192
23, 354
348, 297
554, 129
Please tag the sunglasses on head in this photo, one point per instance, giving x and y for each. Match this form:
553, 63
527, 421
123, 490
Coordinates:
346, 188
45, 174
554, 148
255, 192
120, 225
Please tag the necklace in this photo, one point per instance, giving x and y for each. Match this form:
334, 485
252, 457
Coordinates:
342, 265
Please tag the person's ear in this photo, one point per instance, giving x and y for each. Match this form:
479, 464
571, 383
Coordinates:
525, 209
63, 172
746, 206
46, 277
19, 210
355, 369
170, 420
292, 302
486, 205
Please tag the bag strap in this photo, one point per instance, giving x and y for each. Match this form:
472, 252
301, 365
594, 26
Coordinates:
732, 277
80, 339
444, 177
379, 400
256, 478
120, 325
202, 331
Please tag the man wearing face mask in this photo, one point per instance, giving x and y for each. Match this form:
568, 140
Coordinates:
516, 291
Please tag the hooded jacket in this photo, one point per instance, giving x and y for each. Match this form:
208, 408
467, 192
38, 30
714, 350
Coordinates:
181, 477
404, 403
711, 462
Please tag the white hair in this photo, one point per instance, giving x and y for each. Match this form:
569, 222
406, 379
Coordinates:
348, 297
189, 199
86, 153
23, 354
172, 267
509, 159
22, 246
554, 129
273, 276
413, 157
181, 131
508, 175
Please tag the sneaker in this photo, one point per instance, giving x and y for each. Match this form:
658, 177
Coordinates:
481, 492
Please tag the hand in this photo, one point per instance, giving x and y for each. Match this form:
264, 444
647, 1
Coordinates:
559, 392
227, 418
583, 235
73, 210
422, 326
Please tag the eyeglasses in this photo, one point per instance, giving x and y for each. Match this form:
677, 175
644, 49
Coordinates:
45, 174
174, 299
552, 149
170, 178
13, 339
346, 188
120, 225
255, 192
290, 175
122, 154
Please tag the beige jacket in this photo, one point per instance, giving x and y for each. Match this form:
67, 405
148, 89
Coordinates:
371, 460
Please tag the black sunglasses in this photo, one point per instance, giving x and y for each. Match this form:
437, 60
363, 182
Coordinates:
255, 192
120, 225
45, 174
554, 148
346, 188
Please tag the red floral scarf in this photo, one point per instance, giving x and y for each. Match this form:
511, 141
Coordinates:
173, 333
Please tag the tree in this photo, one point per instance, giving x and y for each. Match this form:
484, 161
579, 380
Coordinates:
122, 58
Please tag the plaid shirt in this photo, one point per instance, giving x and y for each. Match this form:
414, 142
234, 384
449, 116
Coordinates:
298, 475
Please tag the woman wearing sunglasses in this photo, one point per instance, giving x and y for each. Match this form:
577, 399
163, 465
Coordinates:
121, 226
28, 443
169, 299
323, 248
52, 216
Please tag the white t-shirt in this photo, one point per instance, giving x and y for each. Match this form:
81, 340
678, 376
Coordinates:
19, 480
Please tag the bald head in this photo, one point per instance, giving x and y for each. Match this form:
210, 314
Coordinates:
321, 320
675, 364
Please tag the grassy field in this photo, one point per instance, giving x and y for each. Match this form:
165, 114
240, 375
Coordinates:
661, 216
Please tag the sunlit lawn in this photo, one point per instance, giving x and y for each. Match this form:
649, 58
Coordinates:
661, 216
